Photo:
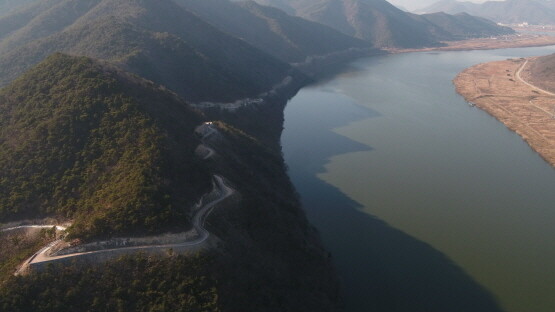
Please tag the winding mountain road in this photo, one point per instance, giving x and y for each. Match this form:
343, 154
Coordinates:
199, 219
203, 210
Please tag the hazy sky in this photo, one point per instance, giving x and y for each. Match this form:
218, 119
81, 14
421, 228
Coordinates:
418, 4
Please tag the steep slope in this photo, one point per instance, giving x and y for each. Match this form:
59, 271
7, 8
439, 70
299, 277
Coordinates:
156, 39
41, 20
83, 140
289, 38
270, 231
374, 20
384, 25
542, 72
507, 12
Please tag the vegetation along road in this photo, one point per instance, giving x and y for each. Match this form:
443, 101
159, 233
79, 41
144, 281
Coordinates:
220, 191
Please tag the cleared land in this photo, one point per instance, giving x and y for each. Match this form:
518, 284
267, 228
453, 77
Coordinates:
504, 91
502, 42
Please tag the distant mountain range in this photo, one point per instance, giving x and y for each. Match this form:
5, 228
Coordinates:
289, 38
537, 12
96, 127
158, 40
207, 50
115, 153
386, 26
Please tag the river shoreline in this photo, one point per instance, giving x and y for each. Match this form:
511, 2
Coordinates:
499, 89
504, 42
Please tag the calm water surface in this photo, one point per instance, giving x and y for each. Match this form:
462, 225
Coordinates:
426, 203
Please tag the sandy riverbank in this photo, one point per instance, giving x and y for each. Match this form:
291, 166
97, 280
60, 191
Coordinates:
499, 89
502, 42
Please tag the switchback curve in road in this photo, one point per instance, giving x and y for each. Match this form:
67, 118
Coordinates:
199, 219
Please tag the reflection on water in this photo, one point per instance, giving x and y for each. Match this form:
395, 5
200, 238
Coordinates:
467, 207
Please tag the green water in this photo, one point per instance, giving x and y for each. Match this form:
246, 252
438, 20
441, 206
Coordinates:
390, 137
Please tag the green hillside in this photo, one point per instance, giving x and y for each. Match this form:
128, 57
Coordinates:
157, 40
133, 283
381, 23
82, 140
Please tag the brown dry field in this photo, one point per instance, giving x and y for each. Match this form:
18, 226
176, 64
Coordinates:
530, 112
502, 42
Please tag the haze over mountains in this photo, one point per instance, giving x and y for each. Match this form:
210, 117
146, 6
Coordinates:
538, 12
384, 25
97, 129
7, 6
156, 39
115, 153
77, 134
289, 38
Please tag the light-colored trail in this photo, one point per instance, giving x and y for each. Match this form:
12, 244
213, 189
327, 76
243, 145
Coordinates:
199, 219
203, 210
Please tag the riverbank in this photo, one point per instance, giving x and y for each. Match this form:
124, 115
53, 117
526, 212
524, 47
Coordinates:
473, 192
499, 89
502, 42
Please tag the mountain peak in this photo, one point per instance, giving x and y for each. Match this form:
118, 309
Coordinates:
97, 145
158, 40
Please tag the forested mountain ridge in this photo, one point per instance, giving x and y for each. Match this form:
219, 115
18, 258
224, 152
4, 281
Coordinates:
381, 23
289, 38
158, 40
82, 140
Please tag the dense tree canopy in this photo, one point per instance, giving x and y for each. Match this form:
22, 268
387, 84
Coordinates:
110, 150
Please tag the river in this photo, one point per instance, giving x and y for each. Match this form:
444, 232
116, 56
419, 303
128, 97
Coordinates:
425, 203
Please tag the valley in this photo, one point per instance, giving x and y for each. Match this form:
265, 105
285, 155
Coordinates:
205, 155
